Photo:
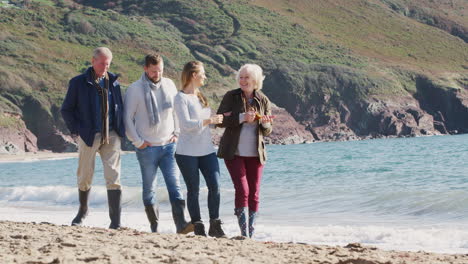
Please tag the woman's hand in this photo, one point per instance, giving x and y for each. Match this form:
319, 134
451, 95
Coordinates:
249, 116
267, 119
216, 119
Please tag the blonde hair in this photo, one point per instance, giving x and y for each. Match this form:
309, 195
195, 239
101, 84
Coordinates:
255, 72
186, 77
102, 51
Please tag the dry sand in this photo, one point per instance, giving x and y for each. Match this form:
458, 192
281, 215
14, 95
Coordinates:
48, 243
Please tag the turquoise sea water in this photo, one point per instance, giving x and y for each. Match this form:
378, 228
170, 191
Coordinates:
407, 193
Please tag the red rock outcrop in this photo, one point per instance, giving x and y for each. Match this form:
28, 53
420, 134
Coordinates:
15, 137
286, 130
338, 103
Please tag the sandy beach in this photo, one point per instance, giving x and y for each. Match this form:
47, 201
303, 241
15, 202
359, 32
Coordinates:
48, 243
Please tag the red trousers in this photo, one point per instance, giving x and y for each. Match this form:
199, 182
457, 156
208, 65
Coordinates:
246, 174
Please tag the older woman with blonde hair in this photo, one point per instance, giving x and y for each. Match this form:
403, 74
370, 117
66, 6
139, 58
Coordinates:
247, 119
195, 151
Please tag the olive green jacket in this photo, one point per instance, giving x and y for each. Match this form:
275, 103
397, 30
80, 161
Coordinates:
231, 106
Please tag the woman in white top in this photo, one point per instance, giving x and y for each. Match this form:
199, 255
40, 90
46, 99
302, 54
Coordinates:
195, 151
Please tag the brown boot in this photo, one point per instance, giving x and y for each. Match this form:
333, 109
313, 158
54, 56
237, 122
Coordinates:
178, 214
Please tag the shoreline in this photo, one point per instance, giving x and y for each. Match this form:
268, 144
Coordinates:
36, 156
40, 156
49, 155
23, 242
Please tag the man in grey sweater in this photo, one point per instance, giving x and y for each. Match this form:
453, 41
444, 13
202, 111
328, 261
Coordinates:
152, 127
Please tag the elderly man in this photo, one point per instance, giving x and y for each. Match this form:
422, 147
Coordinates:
152, 128
93, 110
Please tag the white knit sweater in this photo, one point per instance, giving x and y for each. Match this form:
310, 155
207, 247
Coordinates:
137, 123
194, 139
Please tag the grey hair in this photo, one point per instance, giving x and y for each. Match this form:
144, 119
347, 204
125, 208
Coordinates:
255, 72
102, 51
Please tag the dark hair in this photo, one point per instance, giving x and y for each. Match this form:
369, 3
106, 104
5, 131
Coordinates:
153, 59
187, 75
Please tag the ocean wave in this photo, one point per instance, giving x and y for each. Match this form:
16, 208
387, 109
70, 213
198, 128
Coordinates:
418, 203
68, 196
443, 239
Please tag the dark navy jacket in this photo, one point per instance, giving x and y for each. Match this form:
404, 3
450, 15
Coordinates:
79, 107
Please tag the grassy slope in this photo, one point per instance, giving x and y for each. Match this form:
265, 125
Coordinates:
281, 42
44, 45
209, 28
51, 36
454, 10
372, 30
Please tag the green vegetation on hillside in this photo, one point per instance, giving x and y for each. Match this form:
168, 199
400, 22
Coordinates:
7, 121
449, 16
371, 29
43, 46
362, 43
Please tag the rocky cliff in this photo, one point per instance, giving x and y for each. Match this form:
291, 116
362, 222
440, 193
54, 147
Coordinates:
329, 102
326, 103
33, 124
286, 130
14, 136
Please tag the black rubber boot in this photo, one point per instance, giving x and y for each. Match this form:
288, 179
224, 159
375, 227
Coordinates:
199, 228
215, 228
114, 201
152, 212
178, 214
83, 210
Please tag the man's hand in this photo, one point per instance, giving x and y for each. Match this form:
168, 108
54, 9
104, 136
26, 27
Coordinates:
173, 139
144, 145
75, 137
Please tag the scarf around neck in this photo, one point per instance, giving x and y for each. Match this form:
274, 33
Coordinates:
152, 106
103, 94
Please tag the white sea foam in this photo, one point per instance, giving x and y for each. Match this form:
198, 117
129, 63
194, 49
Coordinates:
443, 239
63, 196
66, 196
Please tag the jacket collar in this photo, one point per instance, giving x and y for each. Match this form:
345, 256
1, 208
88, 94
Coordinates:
89, 76
257, 94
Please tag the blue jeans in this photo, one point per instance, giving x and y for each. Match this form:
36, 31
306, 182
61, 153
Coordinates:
150, 158
209, 167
